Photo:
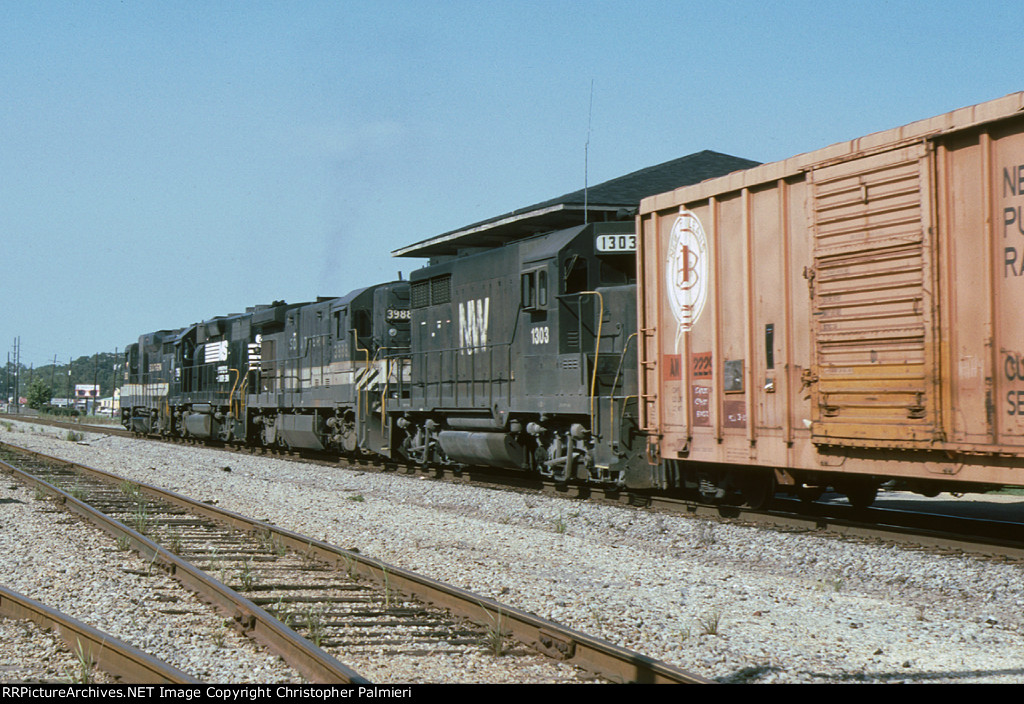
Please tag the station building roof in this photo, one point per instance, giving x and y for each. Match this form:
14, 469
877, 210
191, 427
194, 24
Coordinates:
616, 199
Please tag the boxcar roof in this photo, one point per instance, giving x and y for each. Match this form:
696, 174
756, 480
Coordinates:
961, 119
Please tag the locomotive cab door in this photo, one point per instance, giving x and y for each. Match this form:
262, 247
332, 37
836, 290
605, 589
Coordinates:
538, 339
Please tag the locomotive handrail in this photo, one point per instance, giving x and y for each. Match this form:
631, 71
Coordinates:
615, 384
426, 383
359, 392
597, 348
241, 394
385, 355
234, 387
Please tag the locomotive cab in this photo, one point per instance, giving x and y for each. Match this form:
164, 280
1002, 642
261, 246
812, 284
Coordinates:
144, 393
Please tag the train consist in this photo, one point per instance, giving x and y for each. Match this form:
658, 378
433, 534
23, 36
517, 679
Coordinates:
521, 357
840, 319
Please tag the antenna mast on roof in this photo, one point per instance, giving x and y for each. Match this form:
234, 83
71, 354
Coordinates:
586, 152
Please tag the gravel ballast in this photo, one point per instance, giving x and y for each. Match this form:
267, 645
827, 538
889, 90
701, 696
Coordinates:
727, 602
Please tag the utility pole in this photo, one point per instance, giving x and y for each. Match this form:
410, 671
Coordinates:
53, 383
17, 375
95, 373
113, 381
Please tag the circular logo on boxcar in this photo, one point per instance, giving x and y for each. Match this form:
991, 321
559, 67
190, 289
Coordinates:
687, 269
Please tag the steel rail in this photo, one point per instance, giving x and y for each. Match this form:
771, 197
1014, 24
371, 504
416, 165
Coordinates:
902, 527
312, 662
984, 538
112, 655
552, 639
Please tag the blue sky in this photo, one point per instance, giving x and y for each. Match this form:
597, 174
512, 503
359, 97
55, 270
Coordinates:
165, 162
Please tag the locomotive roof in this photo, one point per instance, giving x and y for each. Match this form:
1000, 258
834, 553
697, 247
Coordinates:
616, 199
531, 249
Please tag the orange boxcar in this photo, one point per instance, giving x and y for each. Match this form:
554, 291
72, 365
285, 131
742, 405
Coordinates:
843, 317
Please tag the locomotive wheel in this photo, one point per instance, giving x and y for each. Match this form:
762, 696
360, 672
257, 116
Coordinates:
349, 439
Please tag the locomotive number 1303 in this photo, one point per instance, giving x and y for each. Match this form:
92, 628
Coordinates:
616, 243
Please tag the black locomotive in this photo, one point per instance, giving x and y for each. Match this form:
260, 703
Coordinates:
522, 356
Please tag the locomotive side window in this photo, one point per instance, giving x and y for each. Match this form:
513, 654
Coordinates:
363, 323
534, 286
574, 274
529, 291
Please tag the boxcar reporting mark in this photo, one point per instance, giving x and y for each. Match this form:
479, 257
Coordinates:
687, 271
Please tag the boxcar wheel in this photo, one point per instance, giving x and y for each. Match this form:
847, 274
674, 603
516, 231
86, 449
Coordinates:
757, 489
861, 496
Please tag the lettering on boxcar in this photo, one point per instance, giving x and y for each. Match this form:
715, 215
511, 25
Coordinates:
673, 370
1013, 219
734, 414
474, 317
701, 406
1013, 370
701, 365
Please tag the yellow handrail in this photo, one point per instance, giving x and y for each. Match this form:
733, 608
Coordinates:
597, 351
231, 396
359, 395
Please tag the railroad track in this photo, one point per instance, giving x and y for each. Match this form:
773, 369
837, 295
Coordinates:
93, 649
282, 584
987, 538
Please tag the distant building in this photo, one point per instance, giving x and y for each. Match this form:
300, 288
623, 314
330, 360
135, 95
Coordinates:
110, 405
86, 396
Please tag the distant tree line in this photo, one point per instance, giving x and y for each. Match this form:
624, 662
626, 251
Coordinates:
53, 381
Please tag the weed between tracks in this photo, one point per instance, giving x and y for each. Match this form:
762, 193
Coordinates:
316, 626
270, 543
710, 623
77, 492
84, 668
141, 520
130, 489
496, 636
246, 576
705, 534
